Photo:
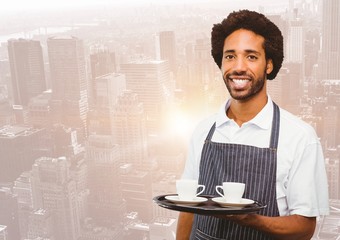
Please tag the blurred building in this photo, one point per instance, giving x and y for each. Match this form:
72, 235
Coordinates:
163, 228
107, 89
328, 227
129, 130
150, 79
41, 225
106, 205
27, 69
204, 66
103, 62
137, 191
9, 214
3, 232
330, 56
167, 46
19, 147
69, 102
7, 116
333, 176
55, 191
23, 189
39, 110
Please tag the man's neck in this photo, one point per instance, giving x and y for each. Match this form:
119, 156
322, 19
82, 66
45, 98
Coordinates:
244, 111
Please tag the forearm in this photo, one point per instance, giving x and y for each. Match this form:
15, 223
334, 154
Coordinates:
184, 226
285, 227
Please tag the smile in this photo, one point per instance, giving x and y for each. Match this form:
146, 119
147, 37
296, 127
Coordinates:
239, 83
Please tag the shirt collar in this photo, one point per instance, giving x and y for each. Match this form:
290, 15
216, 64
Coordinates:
263, 119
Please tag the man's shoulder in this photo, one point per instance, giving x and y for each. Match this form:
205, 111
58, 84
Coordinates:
205, 124
295, 125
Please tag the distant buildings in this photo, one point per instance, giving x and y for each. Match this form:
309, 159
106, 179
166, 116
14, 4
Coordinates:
19, 147
69, 82
330, 55
55, 191
105, 204
167, 44
150, 79
27, 69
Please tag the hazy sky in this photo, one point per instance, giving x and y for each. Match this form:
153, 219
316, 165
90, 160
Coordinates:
26, 5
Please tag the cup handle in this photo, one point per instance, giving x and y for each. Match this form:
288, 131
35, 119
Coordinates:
219, 193
203, 188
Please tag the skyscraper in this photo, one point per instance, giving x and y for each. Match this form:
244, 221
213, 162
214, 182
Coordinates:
9, 213
27, 69
19, 147
331, 39
54, 190
167, 46
151, 81
107, 89
129, 130
106, 205
69, 82
102, 63
295, 46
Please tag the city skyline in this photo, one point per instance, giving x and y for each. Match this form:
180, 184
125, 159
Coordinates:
124, 86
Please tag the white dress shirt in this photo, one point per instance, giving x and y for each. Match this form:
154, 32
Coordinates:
301, 184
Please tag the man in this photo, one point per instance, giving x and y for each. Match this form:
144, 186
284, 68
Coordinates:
252, 140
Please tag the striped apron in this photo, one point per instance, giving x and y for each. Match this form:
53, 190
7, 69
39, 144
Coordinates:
254, 166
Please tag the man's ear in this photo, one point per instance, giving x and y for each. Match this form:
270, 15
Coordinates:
270, 66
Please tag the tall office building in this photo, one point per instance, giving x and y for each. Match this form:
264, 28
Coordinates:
295, 51
330, 39
3, 232
151, 81
204, 66
106, 205
41, 225
55, 191
167, 46
108, 88
9, 212
102, 63
19, 147
27, 69
129, 130
23, 189
137, 191
39, 110
69, 82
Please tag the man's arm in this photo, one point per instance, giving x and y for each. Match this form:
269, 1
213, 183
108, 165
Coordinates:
286, 227
184, 225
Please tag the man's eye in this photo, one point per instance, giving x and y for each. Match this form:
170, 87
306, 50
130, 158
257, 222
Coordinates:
228, 57
252, 57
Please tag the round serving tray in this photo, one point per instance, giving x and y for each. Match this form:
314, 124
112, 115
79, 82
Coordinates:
208, 207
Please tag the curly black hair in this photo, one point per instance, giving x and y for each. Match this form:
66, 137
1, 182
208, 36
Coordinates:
255, 22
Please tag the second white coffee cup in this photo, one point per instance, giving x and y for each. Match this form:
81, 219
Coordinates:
187, 189
232, 191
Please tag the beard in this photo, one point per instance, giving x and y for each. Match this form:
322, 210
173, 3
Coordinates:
256, 86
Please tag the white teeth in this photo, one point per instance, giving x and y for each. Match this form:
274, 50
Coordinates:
240, 83
239, 80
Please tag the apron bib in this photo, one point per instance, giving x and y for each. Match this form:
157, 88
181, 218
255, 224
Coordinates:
256, 167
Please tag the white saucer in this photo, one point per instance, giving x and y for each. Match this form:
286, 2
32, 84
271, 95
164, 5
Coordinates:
195, 201
223, 203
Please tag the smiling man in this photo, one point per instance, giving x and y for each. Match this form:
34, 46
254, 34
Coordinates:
252, 140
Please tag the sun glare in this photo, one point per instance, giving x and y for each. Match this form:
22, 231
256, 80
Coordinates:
179, 124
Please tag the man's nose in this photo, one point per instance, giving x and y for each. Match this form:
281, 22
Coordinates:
240, 65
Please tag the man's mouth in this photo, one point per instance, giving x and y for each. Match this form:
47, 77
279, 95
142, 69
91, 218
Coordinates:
239, 83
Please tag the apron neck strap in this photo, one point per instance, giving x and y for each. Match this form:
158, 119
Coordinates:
274, 136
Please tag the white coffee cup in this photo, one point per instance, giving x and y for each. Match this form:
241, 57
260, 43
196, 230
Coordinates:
187, 189
233, 191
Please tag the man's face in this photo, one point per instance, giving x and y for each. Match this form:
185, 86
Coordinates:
244, 66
